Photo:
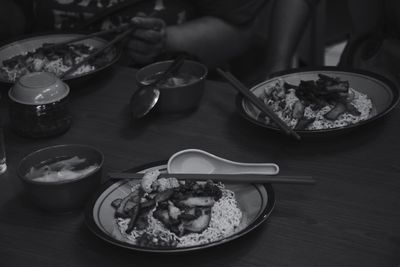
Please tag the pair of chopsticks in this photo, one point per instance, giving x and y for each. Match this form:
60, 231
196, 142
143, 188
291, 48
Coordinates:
257, 102
228, 178
170, 71
97, 52
126, 29
88, 36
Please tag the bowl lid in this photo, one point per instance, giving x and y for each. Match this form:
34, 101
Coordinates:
38, 88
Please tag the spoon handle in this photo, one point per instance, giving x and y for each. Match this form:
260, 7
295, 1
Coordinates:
170, 71
228, 178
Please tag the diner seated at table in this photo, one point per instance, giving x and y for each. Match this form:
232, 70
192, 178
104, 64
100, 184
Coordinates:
10, 12
374, 43
279, 31
218, 33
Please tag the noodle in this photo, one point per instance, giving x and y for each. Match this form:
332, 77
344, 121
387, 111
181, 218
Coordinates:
225, 220
40, 59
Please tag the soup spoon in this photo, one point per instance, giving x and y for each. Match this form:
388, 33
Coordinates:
199, 161
146, 97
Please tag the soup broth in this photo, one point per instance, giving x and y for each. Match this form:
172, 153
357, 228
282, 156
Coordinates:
61, 168
180, 79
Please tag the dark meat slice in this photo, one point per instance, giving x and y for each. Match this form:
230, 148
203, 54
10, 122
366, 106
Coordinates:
150, 240
141, 222
134, 212
288, 86
127, 203
200, 224
14, 61
68, 59
212, 190
326, 80
116, 203
342, 87
306, 88
198, 202
162, 214
149, 203
190, 214
177, 229
298, 110
164, 195
303, 123
350, 108
337, 110
332, 84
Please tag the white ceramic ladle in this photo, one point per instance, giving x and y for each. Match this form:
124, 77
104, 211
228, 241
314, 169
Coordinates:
199, 161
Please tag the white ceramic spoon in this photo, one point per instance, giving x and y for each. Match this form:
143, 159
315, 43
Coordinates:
199, 161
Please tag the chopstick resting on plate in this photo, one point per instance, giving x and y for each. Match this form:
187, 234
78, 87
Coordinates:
228, 178
120, 28
96, 53
88, 36
257, 102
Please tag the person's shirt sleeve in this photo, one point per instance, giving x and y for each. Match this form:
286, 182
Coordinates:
312, 3
27, 8
237, 12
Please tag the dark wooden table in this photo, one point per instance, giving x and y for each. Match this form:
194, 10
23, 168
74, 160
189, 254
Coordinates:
351, 217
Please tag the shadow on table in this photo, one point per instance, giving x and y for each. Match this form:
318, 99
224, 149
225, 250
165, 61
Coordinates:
136, 127
223, 255
259, 139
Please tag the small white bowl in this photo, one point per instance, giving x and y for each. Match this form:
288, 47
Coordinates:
38, 88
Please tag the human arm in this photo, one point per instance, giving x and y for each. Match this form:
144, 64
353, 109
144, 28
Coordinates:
288, 22
366, 16
210, 39
365, 21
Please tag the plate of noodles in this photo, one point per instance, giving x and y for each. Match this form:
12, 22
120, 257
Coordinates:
31, 54
322, 100
166, 215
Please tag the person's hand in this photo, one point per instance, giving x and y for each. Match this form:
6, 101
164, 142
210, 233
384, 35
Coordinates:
147, 40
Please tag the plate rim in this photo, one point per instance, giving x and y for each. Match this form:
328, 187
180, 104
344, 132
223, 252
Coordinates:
27, 37
94, 228
391, 85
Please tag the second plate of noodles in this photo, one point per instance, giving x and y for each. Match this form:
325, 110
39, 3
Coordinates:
323, 100
30, 55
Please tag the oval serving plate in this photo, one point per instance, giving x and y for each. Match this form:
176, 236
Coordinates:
255, 201
382, 92
26, 44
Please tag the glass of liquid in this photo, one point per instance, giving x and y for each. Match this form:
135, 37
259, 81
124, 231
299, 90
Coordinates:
3, 161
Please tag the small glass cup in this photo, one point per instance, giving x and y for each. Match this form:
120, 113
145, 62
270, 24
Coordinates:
3, 161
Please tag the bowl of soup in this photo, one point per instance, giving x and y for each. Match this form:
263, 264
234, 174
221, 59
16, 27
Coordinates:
61, 178
180, 92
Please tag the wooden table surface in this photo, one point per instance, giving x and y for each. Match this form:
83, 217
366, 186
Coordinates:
351, 217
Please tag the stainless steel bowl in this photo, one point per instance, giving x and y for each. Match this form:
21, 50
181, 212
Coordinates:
180, 97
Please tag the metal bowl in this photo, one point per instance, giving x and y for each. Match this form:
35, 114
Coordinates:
181, 97
61, 195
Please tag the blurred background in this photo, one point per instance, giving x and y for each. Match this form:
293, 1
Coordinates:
326, 34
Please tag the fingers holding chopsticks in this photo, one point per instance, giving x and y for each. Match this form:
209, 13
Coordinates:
148, 40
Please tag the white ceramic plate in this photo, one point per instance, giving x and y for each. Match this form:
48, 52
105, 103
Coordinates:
24, 45
255, 201
383, 94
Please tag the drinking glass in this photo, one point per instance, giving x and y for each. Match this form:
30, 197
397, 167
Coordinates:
3, 162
